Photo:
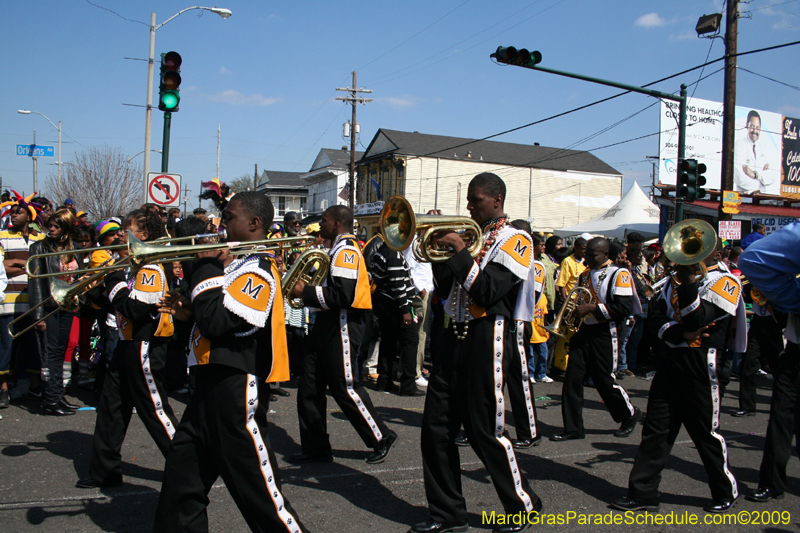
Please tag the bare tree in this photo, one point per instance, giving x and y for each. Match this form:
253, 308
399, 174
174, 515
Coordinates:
242, 183
99, 182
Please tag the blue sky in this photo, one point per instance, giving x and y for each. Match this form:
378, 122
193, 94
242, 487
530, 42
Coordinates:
268, 75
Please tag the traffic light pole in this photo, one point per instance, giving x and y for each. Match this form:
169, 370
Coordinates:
165, 142
681, 99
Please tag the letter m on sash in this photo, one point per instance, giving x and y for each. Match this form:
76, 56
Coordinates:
149, 281
729, 287
251, 291
520, 249
349, 258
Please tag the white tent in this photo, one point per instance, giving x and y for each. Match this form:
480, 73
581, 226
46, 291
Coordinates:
634, 212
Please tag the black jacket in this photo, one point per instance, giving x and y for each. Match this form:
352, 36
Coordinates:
39, 288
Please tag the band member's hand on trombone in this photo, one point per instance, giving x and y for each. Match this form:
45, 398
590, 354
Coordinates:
177, 305
451, 239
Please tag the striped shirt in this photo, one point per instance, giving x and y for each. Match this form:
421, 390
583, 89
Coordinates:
15, 246
390, 272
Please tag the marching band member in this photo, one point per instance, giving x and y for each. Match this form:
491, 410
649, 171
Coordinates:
772, 264
331, 353
594, 348
693, 317
239, 343
133, 379
466, 383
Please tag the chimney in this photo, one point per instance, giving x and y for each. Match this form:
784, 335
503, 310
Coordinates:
469, 154
344, 148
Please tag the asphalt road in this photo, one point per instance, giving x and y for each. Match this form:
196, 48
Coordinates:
42, 457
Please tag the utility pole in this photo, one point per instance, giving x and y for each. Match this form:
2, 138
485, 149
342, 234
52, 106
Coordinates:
729, 103
353, 99
186, 190
35, 159
219, 125
255, 178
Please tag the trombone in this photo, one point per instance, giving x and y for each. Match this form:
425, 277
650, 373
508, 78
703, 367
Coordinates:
65, 296
399, 225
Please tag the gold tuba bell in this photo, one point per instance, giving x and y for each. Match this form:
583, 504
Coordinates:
690, 242
399, 224
566, 319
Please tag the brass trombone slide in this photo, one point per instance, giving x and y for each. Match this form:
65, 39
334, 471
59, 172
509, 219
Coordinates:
112, 248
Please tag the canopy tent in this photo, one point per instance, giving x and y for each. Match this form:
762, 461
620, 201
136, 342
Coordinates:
634, 212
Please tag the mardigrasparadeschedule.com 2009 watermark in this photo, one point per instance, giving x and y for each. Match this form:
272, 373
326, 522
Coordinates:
740, 518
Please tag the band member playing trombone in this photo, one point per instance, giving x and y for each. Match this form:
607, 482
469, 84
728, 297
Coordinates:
594, 348
134, 376
466, 384
238, 343
693, 317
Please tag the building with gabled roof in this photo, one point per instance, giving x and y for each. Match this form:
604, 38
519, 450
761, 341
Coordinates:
327, 178
286, 191
551, 187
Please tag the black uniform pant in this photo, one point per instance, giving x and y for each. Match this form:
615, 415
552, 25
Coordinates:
295, 341
394, 333
331, 352
764, 340
685, 391
55, 339
782, 423
594, 351
520, 389
466, 387
134, 379
223, 433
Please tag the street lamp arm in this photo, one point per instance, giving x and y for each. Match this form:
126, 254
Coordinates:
26, 112
224, 13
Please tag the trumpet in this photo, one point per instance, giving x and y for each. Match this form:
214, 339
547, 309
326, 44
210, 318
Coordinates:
399, 224
311, 267
566, 318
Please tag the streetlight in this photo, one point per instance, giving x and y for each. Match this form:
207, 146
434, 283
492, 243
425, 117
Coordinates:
224, 13
26, 112
128, 166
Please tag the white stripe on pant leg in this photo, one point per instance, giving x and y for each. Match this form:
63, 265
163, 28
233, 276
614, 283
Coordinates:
263, 456
144, 358
500, 412
526, 382
615, 354
715, 405
348, 376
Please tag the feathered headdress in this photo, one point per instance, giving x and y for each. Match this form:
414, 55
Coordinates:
34, 209
217, 192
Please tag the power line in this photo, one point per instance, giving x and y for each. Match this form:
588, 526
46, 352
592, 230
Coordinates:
795, 87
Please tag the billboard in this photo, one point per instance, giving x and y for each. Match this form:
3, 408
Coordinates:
758, 146
790, 164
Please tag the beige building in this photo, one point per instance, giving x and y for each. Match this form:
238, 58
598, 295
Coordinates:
550, 187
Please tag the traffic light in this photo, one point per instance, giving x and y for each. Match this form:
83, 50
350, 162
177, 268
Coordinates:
701, 180
687, 179
512, 56
169, 89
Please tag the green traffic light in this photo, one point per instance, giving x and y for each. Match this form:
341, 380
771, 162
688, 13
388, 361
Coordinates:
170, 100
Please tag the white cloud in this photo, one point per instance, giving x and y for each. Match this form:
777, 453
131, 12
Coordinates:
223, 70
236, 98
398, 102
685, 36
651, 20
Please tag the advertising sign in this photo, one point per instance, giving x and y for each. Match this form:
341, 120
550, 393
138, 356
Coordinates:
790, 166
758, 145
730, 230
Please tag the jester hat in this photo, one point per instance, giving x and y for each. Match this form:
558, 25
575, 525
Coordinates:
34, 209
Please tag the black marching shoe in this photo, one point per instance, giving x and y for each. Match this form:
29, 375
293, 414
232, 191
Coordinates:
526, 443
629, 425
432, 526
462, 440
90, 483
280, 392
5, 398
55, 409
720, 506
414, 392
302, 459
382, 449
763, 495
632, 504
516, 528
740, 414
569, 435
66, 405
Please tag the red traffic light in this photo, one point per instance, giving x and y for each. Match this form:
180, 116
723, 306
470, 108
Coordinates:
171, 61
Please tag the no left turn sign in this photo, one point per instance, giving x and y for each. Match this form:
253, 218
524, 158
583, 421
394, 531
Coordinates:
164, 189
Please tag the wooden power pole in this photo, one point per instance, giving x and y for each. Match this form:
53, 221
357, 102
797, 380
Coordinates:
729, 103
353, 99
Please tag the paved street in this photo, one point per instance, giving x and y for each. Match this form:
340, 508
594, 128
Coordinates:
42, 457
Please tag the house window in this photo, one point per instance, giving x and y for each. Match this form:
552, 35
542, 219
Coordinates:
281, 205
303, 205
